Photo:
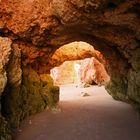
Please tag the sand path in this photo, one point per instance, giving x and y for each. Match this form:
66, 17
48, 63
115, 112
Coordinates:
94, 117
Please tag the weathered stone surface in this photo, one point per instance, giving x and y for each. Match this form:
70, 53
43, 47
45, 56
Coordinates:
31, 97
3, 78
5, 51
5, 133
134, 86
38, 58
50, 92
14, 72
74, 51
92, 71
64, 74
89, 71
40, 27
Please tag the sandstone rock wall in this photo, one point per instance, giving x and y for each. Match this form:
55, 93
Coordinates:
90, 71
5, 51
40, 27
64, 74
22, 92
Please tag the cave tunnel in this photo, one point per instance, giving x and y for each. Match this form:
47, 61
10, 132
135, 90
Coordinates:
32, 36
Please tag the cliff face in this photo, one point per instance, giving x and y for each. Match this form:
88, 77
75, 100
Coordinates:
32, 30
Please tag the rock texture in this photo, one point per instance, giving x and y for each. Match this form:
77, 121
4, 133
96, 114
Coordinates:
14, 71
32, 96
74, 51
5, 51
90, 71
40, 27
22, 90
64, 74
93, 72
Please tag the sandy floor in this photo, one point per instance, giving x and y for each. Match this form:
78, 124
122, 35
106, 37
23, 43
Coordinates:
94, 117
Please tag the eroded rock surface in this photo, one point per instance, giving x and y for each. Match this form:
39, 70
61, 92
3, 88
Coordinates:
93, 72
40, 27
5, 51
89, 71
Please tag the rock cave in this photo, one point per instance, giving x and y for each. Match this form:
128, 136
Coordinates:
32, 36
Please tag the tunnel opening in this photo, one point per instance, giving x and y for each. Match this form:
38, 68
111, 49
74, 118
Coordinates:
79, 73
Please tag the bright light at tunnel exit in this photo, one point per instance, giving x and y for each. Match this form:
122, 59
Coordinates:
79, 72
77, 67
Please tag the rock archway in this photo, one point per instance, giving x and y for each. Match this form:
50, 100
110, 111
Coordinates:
31, 31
